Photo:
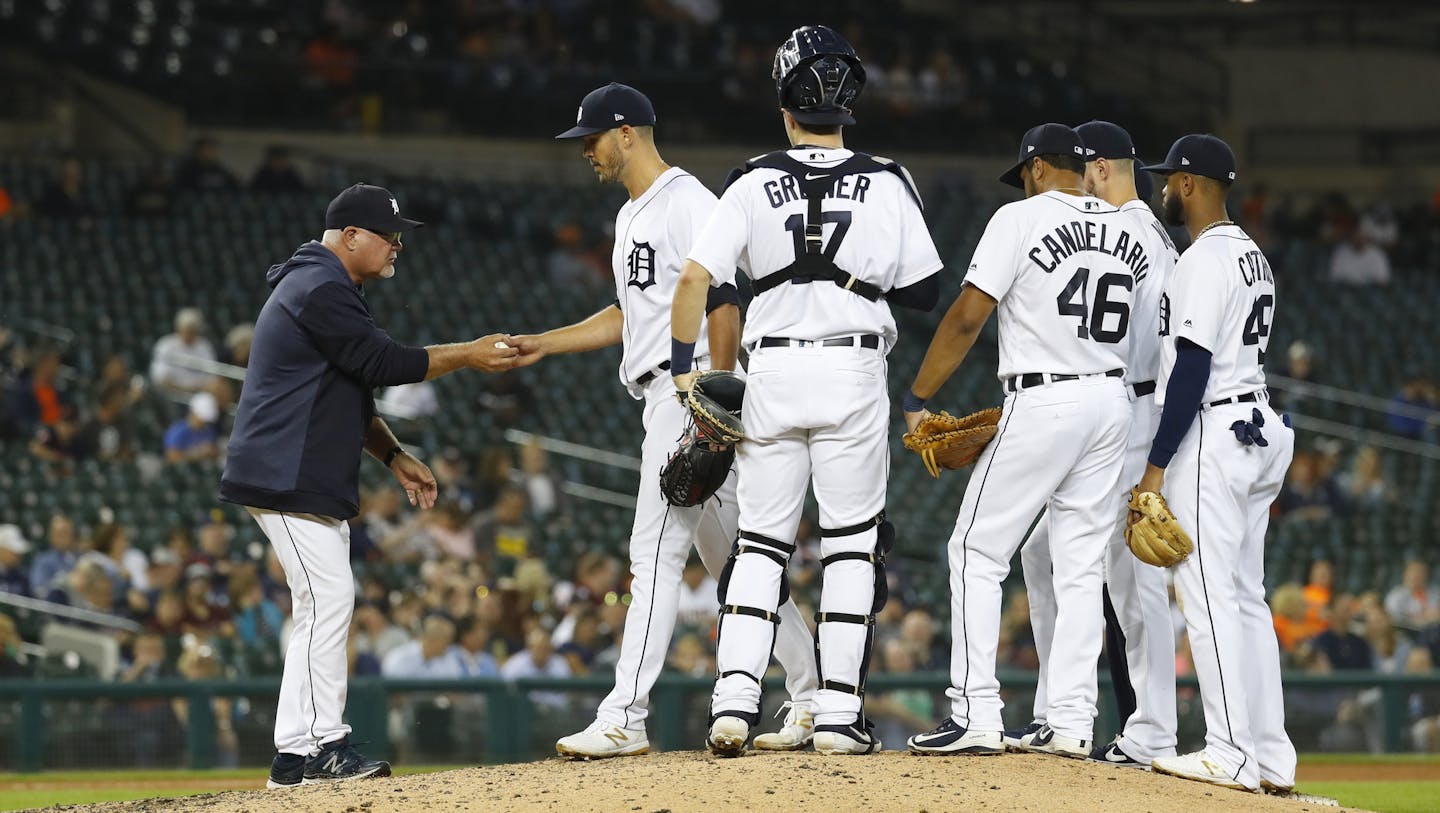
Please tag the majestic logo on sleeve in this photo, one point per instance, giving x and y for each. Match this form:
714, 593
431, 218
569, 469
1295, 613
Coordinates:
641, 265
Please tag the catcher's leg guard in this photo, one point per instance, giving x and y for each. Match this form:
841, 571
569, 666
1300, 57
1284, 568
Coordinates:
751, 589
852, 592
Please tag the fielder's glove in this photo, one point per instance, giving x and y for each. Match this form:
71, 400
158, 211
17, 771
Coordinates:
1153, 533
695, 470
947, 442
714, 403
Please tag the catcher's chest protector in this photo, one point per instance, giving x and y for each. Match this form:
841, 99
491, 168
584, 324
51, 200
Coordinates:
814, 184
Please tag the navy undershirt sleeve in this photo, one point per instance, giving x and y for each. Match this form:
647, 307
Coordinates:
920, 296
1182, 400
726, 294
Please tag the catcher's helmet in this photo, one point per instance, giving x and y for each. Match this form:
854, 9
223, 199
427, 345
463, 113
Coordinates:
818, 76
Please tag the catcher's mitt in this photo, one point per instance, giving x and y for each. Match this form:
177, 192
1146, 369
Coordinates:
695, 470
714, 402
947, 442
1153, 533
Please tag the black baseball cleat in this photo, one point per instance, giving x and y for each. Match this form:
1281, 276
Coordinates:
286, 771
856, 738
1112, 754
339, 760
1013, 736
950, 738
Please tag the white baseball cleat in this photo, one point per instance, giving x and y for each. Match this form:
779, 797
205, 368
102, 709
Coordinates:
727, 736
1046, 741
602, 741
1199, 767
798, 731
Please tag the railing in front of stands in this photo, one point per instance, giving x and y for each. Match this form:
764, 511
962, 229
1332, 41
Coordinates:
517, 721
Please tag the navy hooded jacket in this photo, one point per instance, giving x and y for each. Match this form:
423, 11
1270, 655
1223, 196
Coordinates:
307, 402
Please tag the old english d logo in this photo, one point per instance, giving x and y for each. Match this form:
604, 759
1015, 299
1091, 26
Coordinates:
641, 265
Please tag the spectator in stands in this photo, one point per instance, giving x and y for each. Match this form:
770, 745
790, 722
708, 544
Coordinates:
13, 663
150, 723
1414, 602
37, 398
1390, 648
115, 376
452, 478
1358, 261
542, 487
64, 198
51, 566
13, 547
87, 587
688, 656
163, 574
1300, 368
1017, 642
538, 660
1380, 225
375, 634
1424, 704
473, 641
1343, 644
585, 642
277, 173
507, 397
595, 581
127, 566
205, 616
194, 437
213, 535
1413, 411
502, 534
199, 661
1365, 486
1319, 591
493, 473
57, 444
917, 632
257, 619
450, 531
173, 361
154, 195
167, 614
696, 607
106, 436
1307, 495
431, 656
1293, 625
202, 171
237, 344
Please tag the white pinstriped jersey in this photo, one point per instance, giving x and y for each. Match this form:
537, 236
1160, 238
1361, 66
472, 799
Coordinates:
653, 233
873, 229
1222, 298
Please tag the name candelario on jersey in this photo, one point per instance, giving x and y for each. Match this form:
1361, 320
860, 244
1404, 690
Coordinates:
1087, 235
784, 189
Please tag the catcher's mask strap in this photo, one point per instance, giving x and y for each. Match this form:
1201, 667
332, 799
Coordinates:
850, 530
753, 612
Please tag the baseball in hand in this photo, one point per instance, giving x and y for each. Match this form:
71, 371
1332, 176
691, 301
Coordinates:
501, 346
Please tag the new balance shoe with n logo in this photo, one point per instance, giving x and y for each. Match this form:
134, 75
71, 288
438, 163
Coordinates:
1113, 754
855, 738
728, 735
1046, 741
339, 760
286, 771
603, 740
798, 731
1198, 767
951, 738
1012, 736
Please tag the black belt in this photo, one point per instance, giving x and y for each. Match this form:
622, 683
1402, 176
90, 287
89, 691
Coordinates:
869, 340
649, 375
1247, 398
1036, 379
1143, 388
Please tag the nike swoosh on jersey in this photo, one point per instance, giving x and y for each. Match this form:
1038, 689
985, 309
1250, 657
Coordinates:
813, 177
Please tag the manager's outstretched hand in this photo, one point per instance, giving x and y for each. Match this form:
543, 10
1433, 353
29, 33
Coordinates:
417, 480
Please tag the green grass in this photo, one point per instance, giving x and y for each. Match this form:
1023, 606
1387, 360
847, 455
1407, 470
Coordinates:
1368, 759
1385, 797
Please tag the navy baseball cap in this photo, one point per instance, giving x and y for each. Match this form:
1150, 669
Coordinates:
606, 108
370, 207
1144, 186
1198, 154
1044, 139
1105, 140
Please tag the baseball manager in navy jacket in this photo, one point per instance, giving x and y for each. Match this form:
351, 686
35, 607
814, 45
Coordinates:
306, 413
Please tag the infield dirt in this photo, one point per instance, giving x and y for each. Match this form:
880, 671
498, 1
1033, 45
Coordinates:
889, 782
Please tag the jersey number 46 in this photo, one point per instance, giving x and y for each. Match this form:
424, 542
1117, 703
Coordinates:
1073, 302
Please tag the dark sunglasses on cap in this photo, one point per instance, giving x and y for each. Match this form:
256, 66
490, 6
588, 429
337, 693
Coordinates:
391, 237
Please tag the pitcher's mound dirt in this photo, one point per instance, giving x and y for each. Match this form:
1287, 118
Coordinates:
694, 781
